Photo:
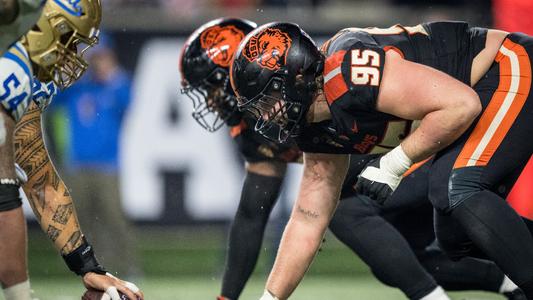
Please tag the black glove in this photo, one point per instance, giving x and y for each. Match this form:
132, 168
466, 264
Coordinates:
381, 176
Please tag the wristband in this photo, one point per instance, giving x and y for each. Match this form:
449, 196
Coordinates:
396, 161
82, 260
268, 296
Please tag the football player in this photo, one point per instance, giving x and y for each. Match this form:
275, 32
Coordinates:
49, 56
365, 80
359, 223
16, 18
204, 66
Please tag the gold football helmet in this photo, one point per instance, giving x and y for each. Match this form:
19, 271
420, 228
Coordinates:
57, 43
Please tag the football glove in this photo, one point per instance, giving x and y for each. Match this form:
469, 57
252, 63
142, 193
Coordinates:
382, 175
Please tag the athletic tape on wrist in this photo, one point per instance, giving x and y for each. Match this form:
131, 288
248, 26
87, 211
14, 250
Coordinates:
396, 161
268, 296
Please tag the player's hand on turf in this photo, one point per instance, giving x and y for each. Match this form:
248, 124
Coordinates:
111, 286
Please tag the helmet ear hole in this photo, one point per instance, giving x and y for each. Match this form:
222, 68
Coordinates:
63, 28
299, 81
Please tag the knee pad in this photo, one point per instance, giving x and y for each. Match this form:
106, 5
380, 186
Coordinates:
463, 184
9, 196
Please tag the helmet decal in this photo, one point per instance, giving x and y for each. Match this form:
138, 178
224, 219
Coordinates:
71, 6
269, 48
220, 42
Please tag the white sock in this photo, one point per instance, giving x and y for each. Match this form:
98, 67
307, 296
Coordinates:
19, 291
507, 285
437, 294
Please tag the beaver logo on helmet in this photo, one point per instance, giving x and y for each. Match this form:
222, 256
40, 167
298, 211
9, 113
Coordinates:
269, 47
220, 42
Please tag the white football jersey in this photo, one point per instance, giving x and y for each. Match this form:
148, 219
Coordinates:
43, 93
18, 86
29, 13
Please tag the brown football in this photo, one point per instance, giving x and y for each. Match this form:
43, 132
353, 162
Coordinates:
97, 295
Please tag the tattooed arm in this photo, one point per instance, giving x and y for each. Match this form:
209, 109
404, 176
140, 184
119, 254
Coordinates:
46, 192
322, 179
52, 205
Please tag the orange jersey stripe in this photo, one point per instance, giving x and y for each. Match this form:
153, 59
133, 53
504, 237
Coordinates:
503, 109
415, 166
395, 49
237, 129
334, 84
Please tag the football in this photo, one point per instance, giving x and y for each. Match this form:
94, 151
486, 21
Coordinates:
98, 295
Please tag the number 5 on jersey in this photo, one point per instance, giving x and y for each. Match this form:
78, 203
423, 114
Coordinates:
365, 67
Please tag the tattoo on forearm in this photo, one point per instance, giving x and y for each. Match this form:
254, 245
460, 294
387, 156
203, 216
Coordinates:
38, 191
73, 242
306, 212
53, 233
55, 181
62, 214
46, 192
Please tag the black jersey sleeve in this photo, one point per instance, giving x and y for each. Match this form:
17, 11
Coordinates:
353, 71
362, 71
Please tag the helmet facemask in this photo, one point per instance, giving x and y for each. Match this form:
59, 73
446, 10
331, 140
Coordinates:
70, 63
278, 116
214, 104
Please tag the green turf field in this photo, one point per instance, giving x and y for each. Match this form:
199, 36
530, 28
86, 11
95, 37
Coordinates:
186, 263
189, 288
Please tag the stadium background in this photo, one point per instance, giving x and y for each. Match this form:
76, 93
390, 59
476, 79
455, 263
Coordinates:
181, 185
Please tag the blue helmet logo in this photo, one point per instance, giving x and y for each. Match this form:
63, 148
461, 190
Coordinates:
70, 6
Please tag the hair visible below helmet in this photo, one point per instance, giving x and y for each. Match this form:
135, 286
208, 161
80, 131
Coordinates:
57, 43
274, 75
204, 67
